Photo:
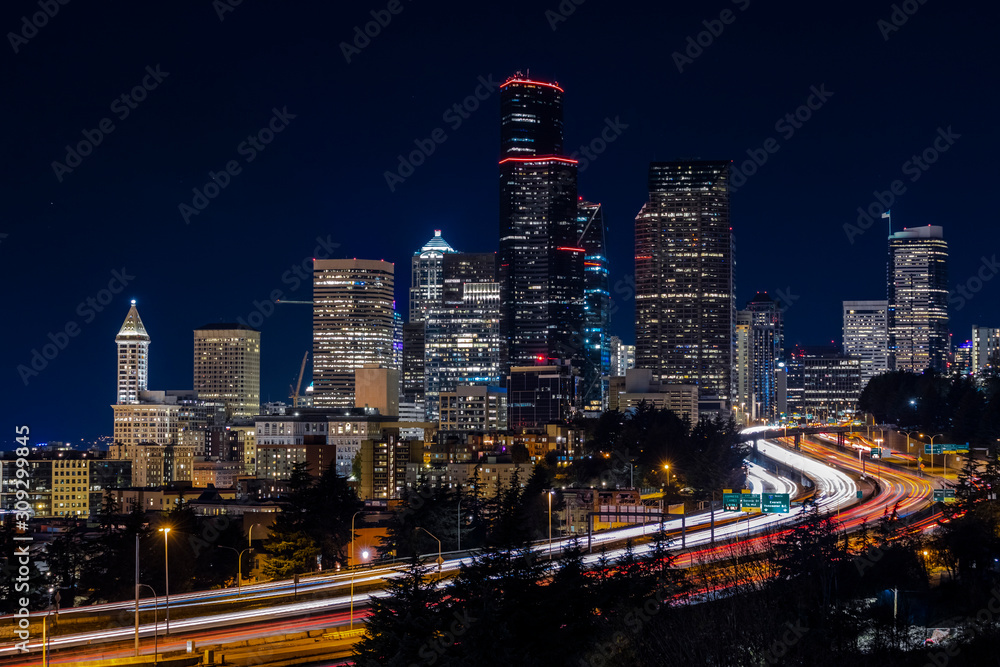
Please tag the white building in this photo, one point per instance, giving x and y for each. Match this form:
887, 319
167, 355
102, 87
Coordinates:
866, 336
133, 358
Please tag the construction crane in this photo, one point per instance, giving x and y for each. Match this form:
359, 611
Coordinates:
295, 391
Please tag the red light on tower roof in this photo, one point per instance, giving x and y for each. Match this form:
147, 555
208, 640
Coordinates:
545, 158
530, 81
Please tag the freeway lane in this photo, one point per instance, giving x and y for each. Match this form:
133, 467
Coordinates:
836, 488
328, 582
906, 491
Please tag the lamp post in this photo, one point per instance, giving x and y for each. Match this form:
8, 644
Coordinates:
351, 564
155, 627
459, 524
440, 560
166, 577
550, 494
239, 566
137, 595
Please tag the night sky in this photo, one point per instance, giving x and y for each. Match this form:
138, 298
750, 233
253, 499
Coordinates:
216, 74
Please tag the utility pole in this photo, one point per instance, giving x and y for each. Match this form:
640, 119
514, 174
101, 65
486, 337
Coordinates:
137, 595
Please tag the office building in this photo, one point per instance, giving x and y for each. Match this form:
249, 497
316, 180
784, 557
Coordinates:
638, 386
962, 361
763, 351
541, 256
413, 363
397, 343
65, 484
161, 465
340, 430
133, 358
685, 298
227, 367
823, 382
474, 408
426, 276
596, 308
622, 357
462, 342
918, 300
744, 401
352, 325
540, 395
165, 418
866, 336
985, 348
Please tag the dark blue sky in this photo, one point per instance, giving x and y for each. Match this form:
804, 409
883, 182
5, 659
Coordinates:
323, 175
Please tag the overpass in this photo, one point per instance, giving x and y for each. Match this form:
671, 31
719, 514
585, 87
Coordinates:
758, 433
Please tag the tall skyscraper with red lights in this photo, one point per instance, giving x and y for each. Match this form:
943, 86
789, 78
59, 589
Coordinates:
541, 252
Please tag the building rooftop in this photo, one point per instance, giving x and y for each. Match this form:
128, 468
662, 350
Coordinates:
226, 326
437, 245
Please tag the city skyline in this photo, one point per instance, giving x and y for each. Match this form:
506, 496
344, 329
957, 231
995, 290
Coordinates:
273, 251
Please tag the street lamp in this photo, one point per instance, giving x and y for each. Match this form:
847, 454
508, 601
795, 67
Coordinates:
166, 576
239, 565
440, 560
550, 494
459, 524
155, 626
351, 564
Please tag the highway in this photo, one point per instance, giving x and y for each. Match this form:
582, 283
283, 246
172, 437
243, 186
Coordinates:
836, 491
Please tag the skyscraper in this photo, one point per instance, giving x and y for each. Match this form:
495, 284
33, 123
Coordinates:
227, 367
413, 363
918, 299
462, 334
767, 343
596, 308
822, 381
352, 325
541, 253
133, 358
426, 277
397, 343
685, 292
866, 336
744, 400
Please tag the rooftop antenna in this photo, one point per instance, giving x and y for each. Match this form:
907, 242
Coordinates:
888, 216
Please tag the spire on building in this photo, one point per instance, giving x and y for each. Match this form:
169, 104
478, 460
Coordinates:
436, 244
132, 328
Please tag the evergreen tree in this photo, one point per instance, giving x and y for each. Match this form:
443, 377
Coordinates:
404, 625
290, 550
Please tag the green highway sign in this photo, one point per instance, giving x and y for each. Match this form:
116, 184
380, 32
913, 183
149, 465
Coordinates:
944, 495
775, 503
954, 448
731, 501
860, 494
750, 500
933, 449
876, 451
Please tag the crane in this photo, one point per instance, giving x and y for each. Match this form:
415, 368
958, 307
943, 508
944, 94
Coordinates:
295, 392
